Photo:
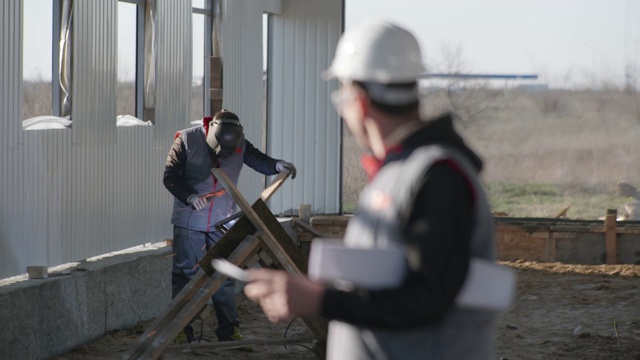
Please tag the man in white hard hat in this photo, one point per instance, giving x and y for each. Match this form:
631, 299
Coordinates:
423, 196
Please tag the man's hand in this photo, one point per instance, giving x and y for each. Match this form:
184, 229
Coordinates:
286, 167
283, 296
196, 202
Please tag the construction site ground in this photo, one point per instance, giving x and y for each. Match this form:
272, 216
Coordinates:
561, 312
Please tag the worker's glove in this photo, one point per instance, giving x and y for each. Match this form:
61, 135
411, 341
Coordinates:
283, 166
196, 202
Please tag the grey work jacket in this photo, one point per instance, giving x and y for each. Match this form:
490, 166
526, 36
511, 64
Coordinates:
383, 207
195, 165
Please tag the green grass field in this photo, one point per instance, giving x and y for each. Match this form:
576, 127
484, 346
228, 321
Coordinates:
542, 151
547, 200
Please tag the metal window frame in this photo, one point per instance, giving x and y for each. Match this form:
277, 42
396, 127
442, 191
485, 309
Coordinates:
56, 105
139, 83
208, 52
139, 76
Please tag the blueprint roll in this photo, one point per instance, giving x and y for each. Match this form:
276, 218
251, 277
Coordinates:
372, 268
488, 286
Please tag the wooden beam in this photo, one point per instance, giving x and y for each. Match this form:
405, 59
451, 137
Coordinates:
278, 250
610, 236
280, 235
270, 241
308, 228
239, 230
186, 305
240, 248
226, 345
266, 194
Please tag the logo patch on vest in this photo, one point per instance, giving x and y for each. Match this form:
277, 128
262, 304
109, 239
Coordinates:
380, 200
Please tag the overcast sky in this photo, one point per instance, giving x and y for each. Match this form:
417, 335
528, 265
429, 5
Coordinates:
578, 39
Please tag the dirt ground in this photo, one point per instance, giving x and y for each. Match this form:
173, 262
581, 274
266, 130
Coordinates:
561, 312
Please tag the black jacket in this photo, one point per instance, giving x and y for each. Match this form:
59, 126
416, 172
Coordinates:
439, 227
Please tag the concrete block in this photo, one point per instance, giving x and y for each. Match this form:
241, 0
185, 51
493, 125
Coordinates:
48, 317
128, 302
38, 272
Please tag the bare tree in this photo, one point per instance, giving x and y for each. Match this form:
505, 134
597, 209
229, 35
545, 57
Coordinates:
631, 80
467, 99
551, 100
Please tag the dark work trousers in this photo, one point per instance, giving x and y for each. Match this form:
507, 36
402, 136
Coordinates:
190, 246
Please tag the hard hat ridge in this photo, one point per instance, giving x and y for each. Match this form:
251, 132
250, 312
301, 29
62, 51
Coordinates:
377, 51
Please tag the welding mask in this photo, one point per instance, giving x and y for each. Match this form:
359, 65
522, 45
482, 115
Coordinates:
224, 134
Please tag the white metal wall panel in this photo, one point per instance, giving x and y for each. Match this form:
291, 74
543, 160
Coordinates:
94, 52
67, 195
302, 125
12, 253
242, 80
173, 66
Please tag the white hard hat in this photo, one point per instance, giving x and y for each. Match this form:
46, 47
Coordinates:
377, 51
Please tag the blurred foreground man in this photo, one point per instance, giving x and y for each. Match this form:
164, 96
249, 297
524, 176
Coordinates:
423, 196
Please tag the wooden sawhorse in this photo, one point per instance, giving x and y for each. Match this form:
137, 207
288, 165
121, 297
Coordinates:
256, 234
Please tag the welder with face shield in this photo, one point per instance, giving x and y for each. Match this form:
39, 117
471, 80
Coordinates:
200, 201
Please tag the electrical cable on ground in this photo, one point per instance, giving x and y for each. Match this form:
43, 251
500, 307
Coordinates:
285, 335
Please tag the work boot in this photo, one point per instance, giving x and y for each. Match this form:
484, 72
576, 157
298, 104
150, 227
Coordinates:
235, 336
185, 336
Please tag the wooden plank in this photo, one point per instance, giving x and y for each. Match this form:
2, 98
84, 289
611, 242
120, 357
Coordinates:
187, 305
265, 260
270, 241
239, 248
215, 63
175, 306
242, 227
308, 228
275, 248
610, 236
226, 345
266, 194
216, 105
215, 94
280, 235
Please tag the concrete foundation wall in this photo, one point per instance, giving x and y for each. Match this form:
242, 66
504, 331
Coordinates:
42, 318
48, 317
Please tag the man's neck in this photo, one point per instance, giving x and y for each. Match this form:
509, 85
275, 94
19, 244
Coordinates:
401, 132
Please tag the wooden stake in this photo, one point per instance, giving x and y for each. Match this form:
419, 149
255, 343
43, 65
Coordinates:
610, 236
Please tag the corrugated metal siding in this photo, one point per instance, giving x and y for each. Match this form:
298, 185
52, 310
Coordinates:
173, 67
94, 52
68, 195
242, 81
302, 125
11, 194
